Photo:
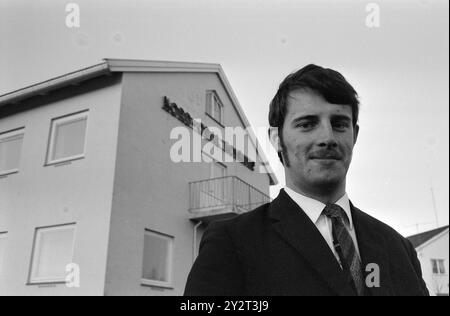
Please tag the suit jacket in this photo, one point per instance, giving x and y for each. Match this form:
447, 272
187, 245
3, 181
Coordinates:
277, 250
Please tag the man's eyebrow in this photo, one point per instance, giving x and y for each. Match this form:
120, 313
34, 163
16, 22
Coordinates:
304, 118
341, 117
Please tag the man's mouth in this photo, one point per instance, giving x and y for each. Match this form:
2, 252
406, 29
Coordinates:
325, 161
326, 157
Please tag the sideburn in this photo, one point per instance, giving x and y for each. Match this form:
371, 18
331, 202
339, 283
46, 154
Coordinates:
284, 152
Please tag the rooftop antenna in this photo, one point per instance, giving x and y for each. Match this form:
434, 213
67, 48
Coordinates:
433, 198
434, 206
417, 225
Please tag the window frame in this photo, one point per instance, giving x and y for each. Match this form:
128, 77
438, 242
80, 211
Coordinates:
55, 122
32, 279
155, 283
440, 263
210, 189
211, 96
222, 190
214, 162
8, 134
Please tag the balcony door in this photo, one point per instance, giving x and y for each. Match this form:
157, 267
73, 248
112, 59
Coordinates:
213, 192
218, 172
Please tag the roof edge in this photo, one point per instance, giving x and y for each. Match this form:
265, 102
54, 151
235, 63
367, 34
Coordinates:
132, 65
136, 65
44, 87
253, 138
432, 239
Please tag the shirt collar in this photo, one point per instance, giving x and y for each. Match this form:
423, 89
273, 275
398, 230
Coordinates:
314, 208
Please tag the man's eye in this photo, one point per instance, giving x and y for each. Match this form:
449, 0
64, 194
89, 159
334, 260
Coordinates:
341, 125
306, 125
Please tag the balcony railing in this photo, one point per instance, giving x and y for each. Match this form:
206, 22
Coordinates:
219, 197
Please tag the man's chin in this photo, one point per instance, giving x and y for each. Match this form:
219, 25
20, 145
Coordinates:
328, 180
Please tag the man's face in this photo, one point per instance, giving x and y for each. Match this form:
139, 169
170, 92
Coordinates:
318, 138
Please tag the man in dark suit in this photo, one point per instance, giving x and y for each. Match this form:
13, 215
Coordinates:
310, 240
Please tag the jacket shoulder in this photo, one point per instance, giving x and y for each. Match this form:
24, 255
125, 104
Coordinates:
387, 231
243, 222
221, 244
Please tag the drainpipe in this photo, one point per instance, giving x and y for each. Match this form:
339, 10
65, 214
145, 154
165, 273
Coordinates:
194, 244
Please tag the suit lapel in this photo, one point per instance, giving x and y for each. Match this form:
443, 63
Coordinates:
295, 227
372, 247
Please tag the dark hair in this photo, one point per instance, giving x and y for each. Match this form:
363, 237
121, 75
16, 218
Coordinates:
328, 83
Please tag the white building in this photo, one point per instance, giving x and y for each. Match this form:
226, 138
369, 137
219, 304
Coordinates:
432, 248
87, 177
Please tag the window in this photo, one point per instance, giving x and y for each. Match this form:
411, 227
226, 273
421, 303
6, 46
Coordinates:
67, 138
2, 249
157, 263
10, 147
438, 266
214, 107
53, 251
214, 192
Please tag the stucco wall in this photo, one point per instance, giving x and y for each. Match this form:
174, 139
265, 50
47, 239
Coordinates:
438, 249
150, 191
80, 192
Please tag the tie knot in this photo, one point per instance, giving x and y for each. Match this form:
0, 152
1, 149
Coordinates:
335, 211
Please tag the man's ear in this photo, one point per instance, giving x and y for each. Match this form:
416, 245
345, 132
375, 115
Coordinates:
274, 138
355, 133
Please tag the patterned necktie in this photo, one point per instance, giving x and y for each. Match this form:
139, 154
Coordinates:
344, 246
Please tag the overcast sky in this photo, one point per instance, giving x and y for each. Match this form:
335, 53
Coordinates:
400, 70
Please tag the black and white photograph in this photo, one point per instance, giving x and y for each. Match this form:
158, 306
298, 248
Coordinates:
224, 152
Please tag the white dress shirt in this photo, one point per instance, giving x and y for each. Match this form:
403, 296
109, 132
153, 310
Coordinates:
313, 209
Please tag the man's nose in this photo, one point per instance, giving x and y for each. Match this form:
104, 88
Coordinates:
326, 137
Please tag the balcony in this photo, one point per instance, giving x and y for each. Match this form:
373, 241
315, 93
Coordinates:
222, 198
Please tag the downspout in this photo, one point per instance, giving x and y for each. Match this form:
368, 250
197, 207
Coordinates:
194, 242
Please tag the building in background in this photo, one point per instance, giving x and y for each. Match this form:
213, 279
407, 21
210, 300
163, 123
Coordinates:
432, 249
91, 202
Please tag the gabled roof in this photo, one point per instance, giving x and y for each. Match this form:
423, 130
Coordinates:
420, 239
126, 65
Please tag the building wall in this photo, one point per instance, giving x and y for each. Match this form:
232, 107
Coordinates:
79, 192
438, 249
150, 191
